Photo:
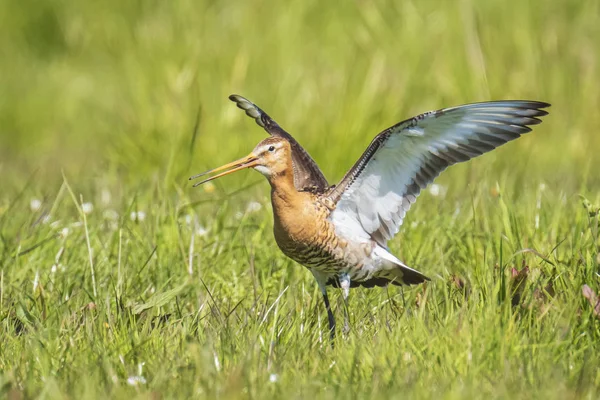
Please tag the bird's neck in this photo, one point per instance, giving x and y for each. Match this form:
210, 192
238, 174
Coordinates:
283, 190
293, 213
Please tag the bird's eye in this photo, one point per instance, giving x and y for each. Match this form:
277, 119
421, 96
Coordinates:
272, 148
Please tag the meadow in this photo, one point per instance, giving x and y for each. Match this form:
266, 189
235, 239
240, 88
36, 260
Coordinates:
119, 280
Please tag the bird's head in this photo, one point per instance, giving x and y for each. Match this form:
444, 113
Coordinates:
271, 157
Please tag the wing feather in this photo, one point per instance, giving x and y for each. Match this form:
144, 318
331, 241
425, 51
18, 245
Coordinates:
374, 196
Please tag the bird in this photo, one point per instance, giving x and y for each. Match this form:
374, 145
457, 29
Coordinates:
341, 232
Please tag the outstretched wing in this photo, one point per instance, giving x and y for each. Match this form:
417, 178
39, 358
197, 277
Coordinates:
374, 196
307, 174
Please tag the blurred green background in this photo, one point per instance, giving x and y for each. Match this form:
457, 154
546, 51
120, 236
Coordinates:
111, 91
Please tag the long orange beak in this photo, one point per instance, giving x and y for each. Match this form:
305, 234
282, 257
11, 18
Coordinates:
247, 162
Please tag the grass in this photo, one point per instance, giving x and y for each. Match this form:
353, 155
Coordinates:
118, 279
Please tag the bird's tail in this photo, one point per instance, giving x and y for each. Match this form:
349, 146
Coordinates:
398, 270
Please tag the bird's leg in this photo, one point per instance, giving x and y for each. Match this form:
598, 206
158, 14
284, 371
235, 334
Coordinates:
330, 317
321, 281
345, 285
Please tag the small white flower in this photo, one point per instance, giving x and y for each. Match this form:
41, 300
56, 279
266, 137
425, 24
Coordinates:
188, 219
201, 231
64, 232
46, 219
137, 216
54, 268
35, 204
136, 380
273, 378
437, 190
87, 208
253, 206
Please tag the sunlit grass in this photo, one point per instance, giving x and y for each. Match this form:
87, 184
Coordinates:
155, 289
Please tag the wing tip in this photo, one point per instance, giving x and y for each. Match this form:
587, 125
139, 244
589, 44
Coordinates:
532, 103
536, 109
531, 109
249, 107
241, 102
539, 106
543, 104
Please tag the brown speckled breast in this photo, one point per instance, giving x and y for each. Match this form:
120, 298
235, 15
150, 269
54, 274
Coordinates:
304, 233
